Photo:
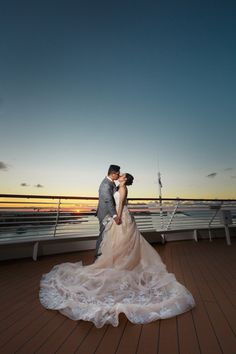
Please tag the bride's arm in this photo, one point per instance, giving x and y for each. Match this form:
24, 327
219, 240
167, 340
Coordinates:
122, 201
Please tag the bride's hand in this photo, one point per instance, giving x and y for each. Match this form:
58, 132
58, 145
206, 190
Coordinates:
117, 220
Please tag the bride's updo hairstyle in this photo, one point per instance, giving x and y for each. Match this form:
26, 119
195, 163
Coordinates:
129, 179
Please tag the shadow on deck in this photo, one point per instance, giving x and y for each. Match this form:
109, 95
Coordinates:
208, 270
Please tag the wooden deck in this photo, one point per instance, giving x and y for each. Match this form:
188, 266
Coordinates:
208, 270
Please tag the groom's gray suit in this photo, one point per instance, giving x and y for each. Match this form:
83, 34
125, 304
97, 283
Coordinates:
106, 207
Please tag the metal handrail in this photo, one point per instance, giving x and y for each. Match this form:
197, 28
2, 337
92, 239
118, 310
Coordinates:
39, 196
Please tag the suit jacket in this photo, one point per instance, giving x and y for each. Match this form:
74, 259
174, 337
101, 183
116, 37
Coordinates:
106, 203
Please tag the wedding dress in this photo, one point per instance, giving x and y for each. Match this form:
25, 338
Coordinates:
128, 277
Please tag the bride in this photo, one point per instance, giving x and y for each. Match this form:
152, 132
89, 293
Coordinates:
129, 277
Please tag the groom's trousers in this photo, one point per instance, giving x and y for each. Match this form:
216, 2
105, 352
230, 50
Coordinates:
99, 239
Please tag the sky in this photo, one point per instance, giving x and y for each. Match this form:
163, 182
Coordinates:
147, 85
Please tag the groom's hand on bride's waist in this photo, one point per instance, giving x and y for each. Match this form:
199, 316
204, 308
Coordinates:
117, 220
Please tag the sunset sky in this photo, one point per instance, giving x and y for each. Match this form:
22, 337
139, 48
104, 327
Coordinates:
142, 84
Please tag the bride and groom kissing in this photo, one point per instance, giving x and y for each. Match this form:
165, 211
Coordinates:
106, 205
127, 276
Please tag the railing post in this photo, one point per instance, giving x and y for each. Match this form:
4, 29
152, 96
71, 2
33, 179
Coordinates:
35, 251
227, 235
163, 238
209, 232
195, 235
57, 217
173, 214
161, 213
217, 208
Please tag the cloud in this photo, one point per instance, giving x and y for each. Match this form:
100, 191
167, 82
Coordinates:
3, 166
27, 185
229, 169
212, 175
233, 176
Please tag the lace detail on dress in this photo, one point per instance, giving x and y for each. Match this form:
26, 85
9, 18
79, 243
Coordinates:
128, 277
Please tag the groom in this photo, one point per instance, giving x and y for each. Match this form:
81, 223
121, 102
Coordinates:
106, 204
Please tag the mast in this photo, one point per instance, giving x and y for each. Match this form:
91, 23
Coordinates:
161, 209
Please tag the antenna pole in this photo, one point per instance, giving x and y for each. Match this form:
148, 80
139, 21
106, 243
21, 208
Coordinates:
161, 209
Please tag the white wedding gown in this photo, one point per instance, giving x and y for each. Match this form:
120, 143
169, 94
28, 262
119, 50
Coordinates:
128, 277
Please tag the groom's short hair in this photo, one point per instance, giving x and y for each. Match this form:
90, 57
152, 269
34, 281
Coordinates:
113, 169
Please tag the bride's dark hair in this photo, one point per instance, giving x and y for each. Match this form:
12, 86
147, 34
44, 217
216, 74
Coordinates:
129, 180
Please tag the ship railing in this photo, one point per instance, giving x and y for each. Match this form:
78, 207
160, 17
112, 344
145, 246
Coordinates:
25, 218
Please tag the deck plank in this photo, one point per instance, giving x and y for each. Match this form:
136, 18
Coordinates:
57, 338
24, 335
19, 326
207, 338
91, 341
130, 339
149, 338
17, 314
188, 341
168, 329
75, 338
207, 269
112, 337
214, 282
39, 333
187, 337
222, 329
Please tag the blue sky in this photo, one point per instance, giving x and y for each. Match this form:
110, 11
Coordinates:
138, 83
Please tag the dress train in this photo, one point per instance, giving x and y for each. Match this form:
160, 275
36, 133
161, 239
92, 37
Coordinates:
128, 277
